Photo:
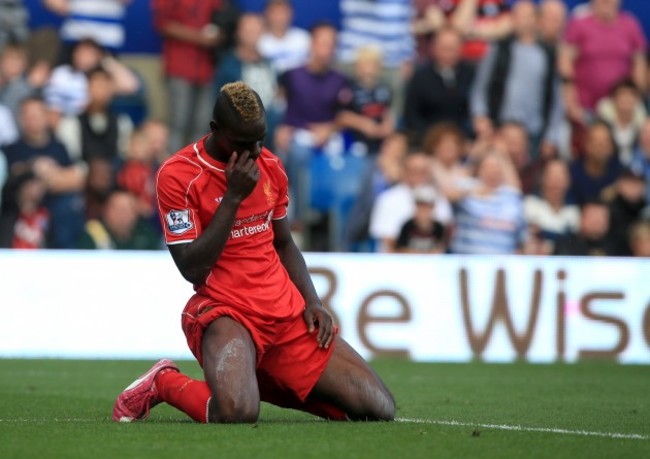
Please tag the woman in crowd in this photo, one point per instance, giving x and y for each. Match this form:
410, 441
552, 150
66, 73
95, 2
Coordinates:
489, 209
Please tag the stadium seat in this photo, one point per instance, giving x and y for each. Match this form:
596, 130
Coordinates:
334, 183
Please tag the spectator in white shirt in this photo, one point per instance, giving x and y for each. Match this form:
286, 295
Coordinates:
548, 214
284, 45
396, 205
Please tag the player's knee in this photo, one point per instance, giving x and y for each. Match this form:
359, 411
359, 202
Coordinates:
385, 407
381, 407
240, 412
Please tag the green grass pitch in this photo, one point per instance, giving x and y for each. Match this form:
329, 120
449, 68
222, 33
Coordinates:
61, 409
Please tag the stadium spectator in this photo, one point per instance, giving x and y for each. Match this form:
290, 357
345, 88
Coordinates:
189, 39
439, 90
314, 94
422, 234
256, 324
601, 48
641, 158
430, 17
100, 20
66, 92
245, 63
626, 201
394, 206
387, 26
284, 45
592, 238
38, 152
386, 170
480, 22
552, 22
3, 177
30, 228
15, 82
488, 209
625, 113
120, 227
138, 175
225, 20
13, 22
97, 131
548, 214
445, 143
8, 129
598, 168
367, 115
513, 138
640, 239
157, 134
516, 81
100, 182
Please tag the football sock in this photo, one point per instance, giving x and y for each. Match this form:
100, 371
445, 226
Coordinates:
191, 396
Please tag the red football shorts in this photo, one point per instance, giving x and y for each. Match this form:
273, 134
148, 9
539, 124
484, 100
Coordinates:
289, 361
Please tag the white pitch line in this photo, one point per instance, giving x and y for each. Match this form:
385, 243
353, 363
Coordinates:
585, 433
516, 428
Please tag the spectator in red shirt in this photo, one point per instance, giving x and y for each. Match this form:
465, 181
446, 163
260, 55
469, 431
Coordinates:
189, 40
31, 226
480, 21
601, 48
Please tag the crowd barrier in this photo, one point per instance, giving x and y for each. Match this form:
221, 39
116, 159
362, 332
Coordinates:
72, 304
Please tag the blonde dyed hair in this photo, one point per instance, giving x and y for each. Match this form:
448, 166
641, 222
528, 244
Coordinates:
244, 100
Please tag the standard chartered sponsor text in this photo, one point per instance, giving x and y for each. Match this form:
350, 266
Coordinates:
250, 230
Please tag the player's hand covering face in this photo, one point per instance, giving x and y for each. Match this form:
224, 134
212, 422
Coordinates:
242, 174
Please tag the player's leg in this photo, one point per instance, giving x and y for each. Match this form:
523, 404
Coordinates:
229, 359
229, 395
350, 384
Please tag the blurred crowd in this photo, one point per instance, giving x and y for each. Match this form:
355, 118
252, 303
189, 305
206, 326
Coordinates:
418, 126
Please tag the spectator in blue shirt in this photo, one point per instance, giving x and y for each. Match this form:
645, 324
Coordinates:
489, 209
598, 168
38, 153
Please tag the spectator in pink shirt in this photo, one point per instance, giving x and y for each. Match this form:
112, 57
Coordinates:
601, 48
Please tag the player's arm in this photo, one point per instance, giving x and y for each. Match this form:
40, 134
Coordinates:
294, 263
195, 259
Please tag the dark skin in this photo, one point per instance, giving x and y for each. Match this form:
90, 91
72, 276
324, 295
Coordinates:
229, 354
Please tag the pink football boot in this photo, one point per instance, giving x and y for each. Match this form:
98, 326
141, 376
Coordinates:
135, 402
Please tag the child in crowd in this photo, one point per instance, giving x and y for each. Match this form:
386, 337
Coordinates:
33, 219
16, 83
422, 234
367, 115
138, 175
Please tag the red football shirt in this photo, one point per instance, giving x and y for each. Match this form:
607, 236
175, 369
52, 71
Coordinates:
248, 274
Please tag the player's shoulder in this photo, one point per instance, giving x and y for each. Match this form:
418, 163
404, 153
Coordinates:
182, 165
270, 160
